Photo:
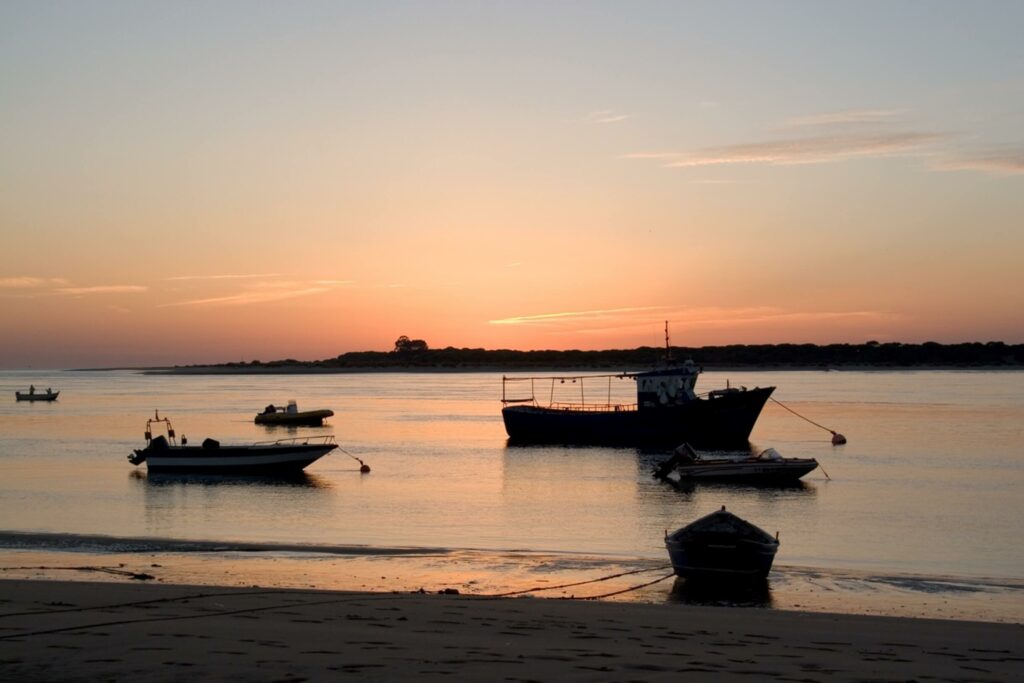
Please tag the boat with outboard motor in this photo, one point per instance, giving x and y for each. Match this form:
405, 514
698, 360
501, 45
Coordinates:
283, 456
766, 467
721, 546
292, 416
667, 411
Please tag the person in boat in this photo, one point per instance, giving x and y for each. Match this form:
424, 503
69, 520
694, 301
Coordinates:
49, 391
269, 410
31, 388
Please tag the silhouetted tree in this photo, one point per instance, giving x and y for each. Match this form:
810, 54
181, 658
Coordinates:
405, 345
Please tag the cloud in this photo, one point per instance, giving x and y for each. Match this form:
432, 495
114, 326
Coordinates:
222, 277
810, 150
1007, 160
826, 138
28, 282
256, 296
544, 318
102, 289
606, 116
643, 317
857, 117
335, 283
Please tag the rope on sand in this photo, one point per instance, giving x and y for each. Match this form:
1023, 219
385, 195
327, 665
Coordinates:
624, 590
577, 583
837, 438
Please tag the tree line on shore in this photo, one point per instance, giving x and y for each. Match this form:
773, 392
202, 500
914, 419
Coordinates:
415, 353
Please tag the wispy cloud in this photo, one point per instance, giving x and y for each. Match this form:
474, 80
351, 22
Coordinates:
256, 296
810, 150
856, 117
223, 277
335, 283
815, 139
29, 282
606, 116
1007, 160
544, 318
102, 289
643, 317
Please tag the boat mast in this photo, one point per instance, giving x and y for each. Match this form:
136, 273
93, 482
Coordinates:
668, 349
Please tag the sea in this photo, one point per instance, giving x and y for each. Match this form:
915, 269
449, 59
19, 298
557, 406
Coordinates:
919, 514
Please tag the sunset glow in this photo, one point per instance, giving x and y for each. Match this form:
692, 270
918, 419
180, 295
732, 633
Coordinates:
236, 181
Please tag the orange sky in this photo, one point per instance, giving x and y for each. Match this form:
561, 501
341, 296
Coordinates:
229, 182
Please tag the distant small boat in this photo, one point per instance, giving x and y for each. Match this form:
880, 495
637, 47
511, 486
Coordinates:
284, 456
767, 467
721, 546
291, 415
31, 395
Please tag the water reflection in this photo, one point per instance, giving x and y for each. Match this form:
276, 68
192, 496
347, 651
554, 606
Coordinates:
768, 489
168, 479
721, 592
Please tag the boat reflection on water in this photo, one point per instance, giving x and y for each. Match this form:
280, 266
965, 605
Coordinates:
765, 489
721, 593
290, 480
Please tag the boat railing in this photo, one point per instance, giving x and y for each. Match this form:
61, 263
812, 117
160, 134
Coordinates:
596, 407
316, 440
549, 383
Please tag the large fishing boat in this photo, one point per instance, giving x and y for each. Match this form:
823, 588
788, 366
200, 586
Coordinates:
667, 411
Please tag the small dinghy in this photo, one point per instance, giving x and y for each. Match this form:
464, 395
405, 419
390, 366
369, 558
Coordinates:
721, 546
292, 416
31, 395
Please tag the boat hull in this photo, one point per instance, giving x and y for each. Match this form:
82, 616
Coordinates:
718, 422
721, 546
232, 459
36, 397
307, 418
739, 559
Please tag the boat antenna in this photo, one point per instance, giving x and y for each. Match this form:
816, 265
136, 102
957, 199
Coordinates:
668, 349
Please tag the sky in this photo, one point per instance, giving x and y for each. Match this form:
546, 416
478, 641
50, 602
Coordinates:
186, 182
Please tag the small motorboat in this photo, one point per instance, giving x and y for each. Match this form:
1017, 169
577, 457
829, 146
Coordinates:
721, 546
32, 395
284, 456
767, 467
291, 415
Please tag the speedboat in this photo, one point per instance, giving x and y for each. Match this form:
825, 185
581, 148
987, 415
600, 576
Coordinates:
767, 467
283, 456
291, 415
721, 546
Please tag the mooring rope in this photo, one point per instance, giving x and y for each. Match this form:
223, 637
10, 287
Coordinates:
837, 438
538, 589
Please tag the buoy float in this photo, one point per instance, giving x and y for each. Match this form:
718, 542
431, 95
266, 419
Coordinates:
838, 439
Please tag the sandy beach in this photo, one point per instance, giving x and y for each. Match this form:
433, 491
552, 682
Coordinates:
85, 631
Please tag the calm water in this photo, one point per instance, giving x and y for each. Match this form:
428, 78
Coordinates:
930, 483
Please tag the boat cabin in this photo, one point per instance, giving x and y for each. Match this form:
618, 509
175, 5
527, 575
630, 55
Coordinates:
667, 387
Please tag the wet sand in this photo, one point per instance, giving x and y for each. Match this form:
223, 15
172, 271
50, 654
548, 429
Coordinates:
69, 631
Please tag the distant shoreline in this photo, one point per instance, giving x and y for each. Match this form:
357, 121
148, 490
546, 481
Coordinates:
226, 370
417, 357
